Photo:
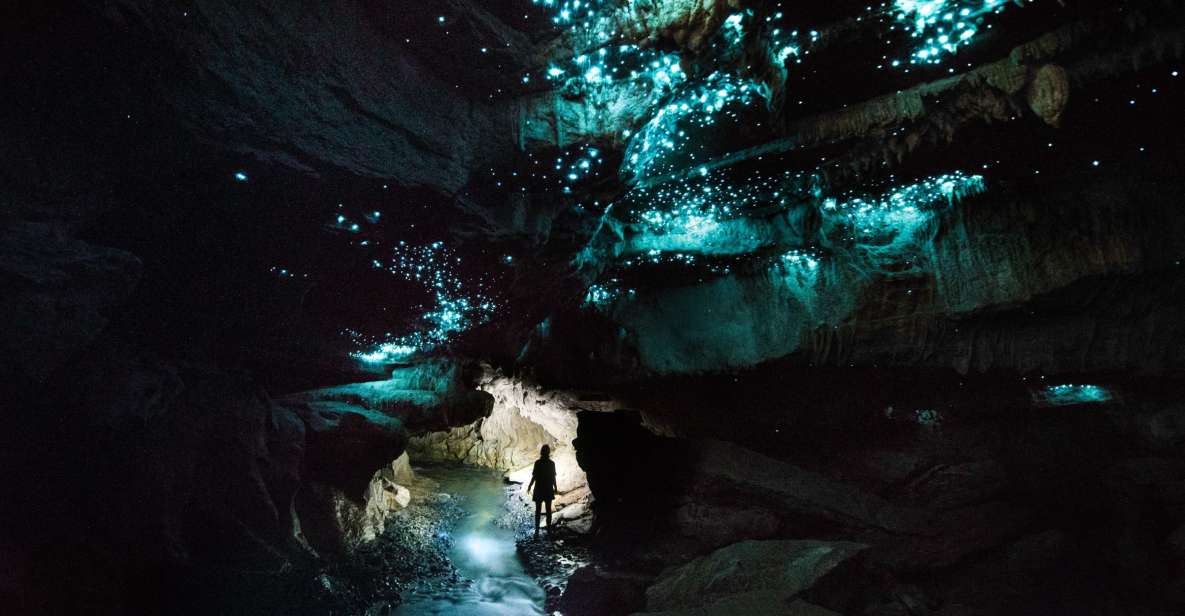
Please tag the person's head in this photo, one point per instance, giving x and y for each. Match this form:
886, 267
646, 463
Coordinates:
545, 452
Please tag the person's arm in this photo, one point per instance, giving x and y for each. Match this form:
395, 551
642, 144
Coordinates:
532, 483
555, 480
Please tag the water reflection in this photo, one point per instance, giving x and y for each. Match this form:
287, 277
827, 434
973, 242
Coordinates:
482, 552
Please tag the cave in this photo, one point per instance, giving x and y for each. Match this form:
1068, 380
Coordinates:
847, 308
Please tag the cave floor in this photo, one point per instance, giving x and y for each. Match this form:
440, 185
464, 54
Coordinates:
489, 577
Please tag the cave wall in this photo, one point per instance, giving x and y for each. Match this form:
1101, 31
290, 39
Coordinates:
524, 417
346, 95
1077, 276
890, 408
138, 478
992, 505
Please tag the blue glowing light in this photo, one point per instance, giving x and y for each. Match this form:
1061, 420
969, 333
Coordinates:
602, 296
240, 176
941, 27
1072, 393
455, 307
664, 144
387, 352
886, 226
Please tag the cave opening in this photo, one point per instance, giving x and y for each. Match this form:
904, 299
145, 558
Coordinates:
844, 308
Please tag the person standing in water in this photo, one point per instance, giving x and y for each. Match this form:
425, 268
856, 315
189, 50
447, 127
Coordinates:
543, 480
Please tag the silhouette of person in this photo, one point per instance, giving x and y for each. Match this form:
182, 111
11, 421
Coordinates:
543, 480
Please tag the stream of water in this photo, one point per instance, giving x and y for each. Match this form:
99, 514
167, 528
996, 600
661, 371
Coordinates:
483, 552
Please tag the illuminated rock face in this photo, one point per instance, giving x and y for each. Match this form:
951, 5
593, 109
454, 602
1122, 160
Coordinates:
687, 23
975, 259
524, 418
676, 97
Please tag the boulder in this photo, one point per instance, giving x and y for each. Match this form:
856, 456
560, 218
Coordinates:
950, 486
594, 591
721, 525
347, 444
951, 537
401, 471
778, 570
718, 465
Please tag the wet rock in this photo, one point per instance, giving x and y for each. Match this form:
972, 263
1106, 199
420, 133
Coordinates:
383, 498
1048, 93
332, 522
777, 570
401, 471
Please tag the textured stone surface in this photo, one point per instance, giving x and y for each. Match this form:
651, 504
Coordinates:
720, 525
592, 591
1084, 286
346, 444
426, 396
726, 466
317, 87
777, 569
686, 23
524, 418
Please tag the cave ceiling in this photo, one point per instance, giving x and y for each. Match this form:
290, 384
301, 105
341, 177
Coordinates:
685, 186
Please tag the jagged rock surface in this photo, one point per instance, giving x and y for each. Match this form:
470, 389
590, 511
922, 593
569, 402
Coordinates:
346, 97
776, 570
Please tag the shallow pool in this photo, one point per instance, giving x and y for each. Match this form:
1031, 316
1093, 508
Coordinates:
492, 580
